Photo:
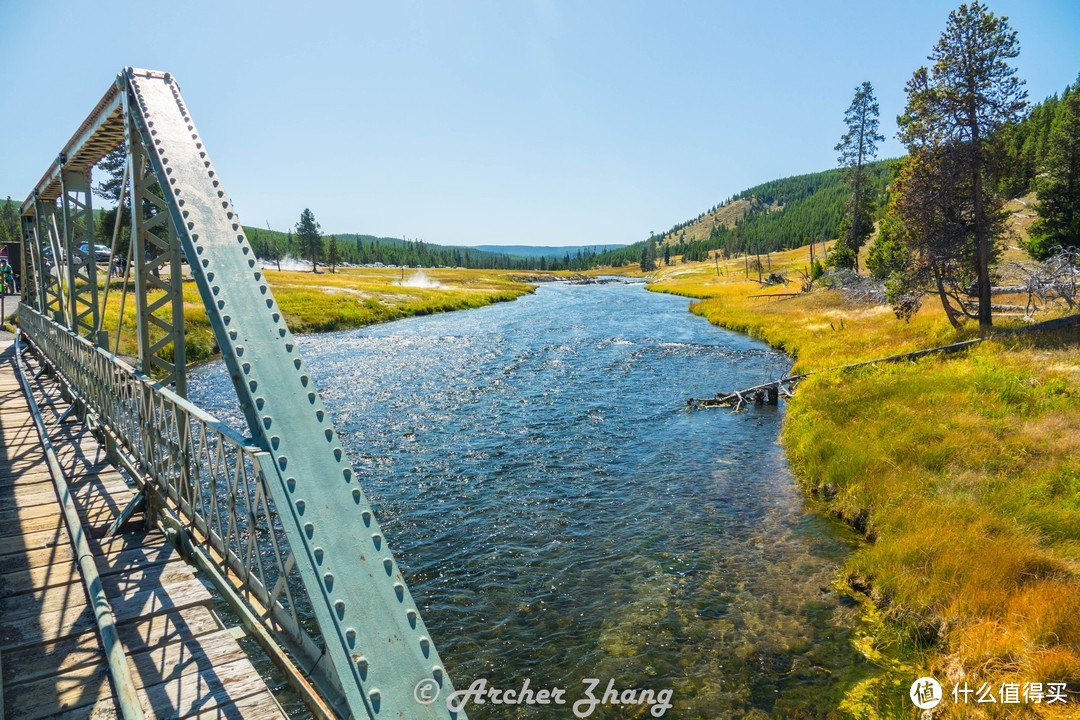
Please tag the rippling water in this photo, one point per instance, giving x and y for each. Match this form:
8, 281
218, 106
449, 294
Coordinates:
561, 516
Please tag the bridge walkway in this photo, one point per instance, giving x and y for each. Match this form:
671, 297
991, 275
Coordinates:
183, 661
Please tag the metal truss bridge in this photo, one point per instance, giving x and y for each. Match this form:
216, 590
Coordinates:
90, 444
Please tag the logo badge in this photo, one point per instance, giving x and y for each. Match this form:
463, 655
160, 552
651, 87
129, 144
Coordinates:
925, 693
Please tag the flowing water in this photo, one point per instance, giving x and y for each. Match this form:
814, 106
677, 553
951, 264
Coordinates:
560, 515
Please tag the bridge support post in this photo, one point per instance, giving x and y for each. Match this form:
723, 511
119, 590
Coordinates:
158, 269
48, 232
30, 287
78, 218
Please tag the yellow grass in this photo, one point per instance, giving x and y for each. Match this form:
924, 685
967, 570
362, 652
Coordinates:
327, 301
962, 471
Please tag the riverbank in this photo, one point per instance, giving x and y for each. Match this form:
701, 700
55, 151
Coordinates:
961, 472
347, 299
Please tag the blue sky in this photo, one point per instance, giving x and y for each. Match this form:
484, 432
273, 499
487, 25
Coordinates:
498, 122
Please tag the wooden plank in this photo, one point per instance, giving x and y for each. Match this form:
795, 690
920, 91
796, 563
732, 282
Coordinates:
165, 575
150, 632
202, 692
41, 661
30, 559
120, 589
179, 678
137, 557
25, 665
39, 578
80, 687
30, 606
42, 539
16, 515
67, 622
22, 527
169, 663
261, 706
155, 601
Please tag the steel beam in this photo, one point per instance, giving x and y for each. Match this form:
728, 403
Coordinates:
369, 621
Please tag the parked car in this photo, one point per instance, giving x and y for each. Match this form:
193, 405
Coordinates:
102, 254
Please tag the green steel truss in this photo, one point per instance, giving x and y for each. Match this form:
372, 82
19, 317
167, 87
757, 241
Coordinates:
377, 649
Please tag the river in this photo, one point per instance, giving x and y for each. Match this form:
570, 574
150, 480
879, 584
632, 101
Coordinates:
560, 515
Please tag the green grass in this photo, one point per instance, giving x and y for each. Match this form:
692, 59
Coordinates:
962, 472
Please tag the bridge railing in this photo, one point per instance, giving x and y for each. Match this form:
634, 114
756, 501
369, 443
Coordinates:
206, 474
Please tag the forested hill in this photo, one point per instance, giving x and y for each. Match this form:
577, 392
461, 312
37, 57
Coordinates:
775, 215
359, 249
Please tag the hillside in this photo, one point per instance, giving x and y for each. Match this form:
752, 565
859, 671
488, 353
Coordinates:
776, 215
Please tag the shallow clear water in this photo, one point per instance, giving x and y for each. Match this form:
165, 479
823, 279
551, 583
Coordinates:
560, 515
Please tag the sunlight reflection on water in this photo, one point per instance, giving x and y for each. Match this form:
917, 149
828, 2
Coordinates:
560, 515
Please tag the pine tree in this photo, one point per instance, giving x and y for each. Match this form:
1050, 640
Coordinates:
955, 109
333, 252
857, 147
1058, 187
309, 236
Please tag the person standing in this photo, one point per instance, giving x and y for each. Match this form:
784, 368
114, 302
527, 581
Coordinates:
7, 276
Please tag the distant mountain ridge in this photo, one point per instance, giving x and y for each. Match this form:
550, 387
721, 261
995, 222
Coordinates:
548, 251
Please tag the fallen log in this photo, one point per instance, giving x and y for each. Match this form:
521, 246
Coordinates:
765, 392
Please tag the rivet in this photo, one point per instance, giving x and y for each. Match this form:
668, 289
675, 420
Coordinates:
365, 515
291, 484
318, 552
328, 581
388, 565
309, 530
350, 637
301, 506
377, 539
357, 495
340, 607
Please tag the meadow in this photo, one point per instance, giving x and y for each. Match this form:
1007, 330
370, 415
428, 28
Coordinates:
962, 473
324, 302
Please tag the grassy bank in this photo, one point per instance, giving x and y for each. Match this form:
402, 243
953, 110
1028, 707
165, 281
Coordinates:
349, 298
962, 472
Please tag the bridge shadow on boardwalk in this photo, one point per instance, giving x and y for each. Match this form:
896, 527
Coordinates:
183, 661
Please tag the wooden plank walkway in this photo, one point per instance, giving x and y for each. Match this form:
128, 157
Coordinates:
184, 662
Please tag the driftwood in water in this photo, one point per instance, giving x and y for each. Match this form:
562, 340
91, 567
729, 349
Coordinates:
765, 394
